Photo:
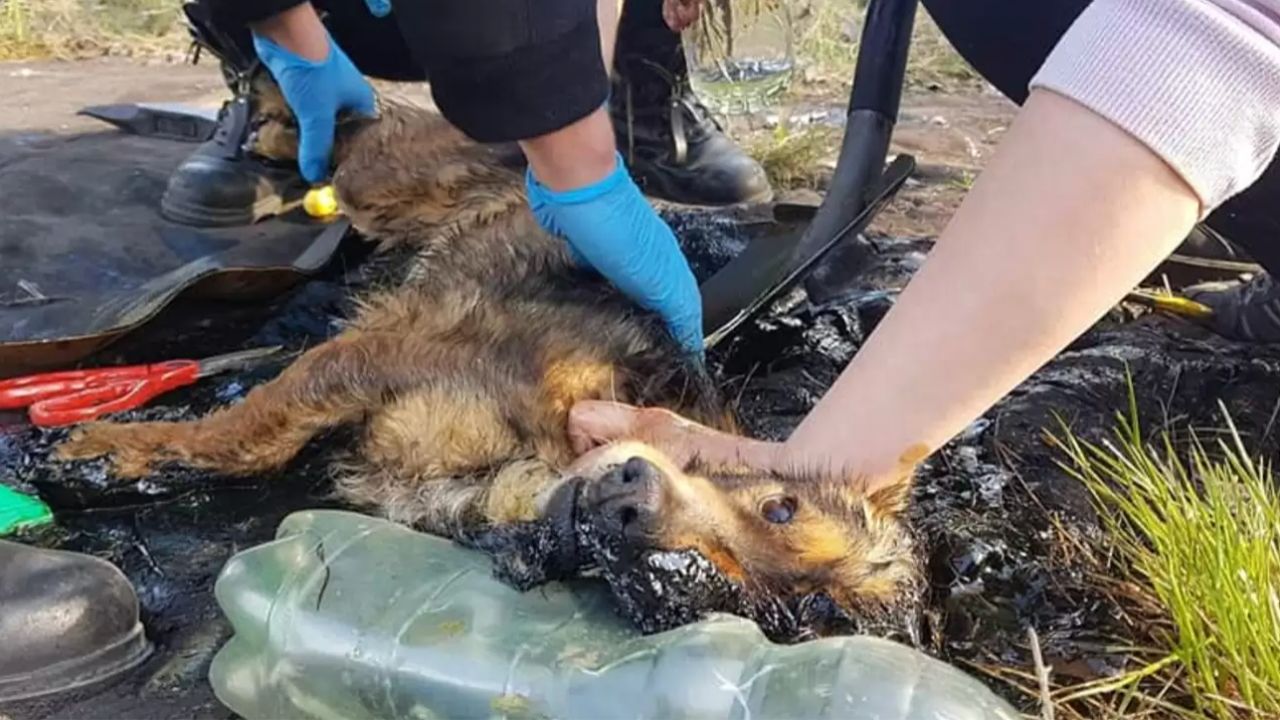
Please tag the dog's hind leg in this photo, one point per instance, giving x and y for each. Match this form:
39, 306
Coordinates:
330, 385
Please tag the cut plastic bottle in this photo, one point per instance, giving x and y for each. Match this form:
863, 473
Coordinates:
351, 617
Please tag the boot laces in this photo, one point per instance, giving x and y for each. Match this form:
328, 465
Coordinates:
687, 118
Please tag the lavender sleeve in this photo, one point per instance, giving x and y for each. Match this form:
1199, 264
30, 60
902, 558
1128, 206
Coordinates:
1197, 81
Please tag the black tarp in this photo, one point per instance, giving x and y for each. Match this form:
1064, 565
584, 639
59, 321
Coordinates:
85, 256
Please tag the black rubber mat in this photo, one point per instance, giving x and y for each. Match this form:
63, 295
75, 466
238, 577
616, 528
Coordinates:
86, 257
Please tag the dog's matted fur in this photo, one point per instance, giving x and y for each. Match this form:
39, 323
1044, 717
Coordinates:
462, 378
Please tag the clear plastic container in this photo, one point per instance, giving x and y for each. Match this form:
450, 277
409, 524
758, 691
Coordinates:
741, 54
351, 617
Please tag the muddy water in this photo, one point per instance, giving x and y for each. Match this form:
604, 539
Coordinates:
982, 505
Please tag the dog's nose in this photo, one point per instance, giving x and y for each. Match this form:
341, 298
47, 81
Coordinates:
639, 470
628, 497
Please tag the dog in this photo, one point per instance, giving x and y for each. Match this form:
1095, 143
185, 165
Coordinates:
460, 379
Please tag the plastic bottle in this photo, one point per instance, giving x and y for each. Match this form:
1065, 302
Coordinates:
346, 616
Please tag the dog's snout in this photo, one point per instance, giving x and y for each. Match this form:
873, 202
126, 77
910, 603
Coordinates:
628, 496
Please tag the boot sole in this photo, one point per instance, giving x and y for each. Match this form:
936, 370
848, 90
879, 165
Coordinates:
202, 216
112, 661
654, 190
653, 182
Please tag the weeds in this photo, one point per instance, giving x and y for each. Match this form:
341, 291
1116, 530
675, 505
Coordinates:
1196, 537
828, 33
68, 29
791, 157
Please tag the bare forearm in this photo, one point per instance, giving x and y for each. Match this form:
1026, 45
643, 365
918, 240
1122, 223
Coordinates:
1069, 216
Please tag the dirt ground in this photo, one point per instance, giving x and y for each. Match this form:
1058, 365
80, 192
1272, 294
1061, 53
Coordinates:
46, 95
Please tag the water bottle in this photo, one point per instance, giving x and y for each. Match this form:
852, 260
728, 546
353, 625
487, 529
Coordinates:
740, 54
349, 617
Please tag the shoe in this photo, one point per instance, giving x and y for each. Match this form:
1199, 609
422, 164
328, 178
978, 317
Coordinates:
675, 150
69, 620
1205, 243
1247, 310
223, 183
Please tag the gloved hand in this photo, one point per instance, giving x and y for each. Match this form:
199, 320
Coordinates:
316, 92
613, 228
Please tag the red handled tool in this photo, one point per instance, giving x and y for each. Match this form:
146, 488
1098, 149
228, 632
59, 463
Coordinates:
72, 396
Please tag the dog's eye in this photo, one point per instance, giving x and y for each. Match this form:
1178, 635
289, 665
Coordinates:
778, 510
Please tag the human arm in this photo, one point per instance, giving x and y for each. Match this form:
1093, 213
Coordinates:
315, 76
297, 29
680, 14
579, 188
1070, 215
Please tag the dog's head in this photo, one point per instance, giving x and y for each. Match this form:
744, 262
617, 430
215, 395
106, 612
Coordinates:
800, 555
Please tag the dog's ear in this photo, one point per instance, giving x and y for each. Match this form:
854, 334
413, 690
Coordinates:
892, 499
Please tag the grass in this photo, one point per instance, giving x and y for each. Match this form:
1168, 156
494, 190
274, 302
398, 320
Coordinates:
827, 40
791, 158
1195, 548
68, 29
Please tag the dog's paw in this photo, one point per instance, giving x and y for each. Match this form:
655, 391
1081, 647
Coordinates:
133, 448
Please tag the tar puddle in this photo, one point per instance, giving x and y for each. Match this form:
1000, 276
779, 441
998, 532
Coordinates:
982, 507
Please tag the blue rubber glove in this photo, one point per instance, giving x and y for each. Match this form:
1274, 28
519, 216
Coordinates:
378, 8
316, 92
613, 228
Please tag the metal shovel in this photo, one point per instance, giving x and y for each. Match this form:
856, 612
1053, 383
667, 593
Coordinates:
860, 186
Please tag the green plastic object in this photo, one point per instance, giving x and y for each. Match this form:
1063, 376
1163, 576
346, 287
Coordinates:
19, 511
346, 616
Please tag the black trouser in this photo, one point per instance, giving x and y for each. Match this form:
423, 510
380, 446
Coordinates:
1007, 41
375, 45
500, 70
378, 48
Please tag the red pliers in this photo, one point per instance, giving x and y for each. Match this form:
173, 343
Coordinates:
72, 396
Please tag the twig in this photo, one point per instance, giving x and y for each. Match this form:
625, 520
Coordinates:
33, 296
1042, 675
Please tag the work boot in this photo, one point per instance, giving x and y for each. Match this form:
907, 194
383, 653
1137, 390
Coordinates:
674, 148
1205, 243
1247, 310
223, 183
68, 621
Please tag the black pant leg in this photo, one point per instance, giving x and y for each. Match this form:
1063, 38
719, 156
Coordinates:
504, 70
374, 44
1006, 41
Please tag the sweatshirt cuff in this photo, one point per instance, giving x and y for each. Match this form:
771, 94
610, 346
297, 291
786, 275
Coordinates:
1192, 82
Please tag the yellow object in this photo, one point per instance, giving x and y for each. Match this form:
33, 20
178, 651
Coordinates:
320, 202
1171, 304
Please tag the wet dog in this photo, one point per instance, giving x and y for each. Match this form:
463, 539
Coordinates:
460, 379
